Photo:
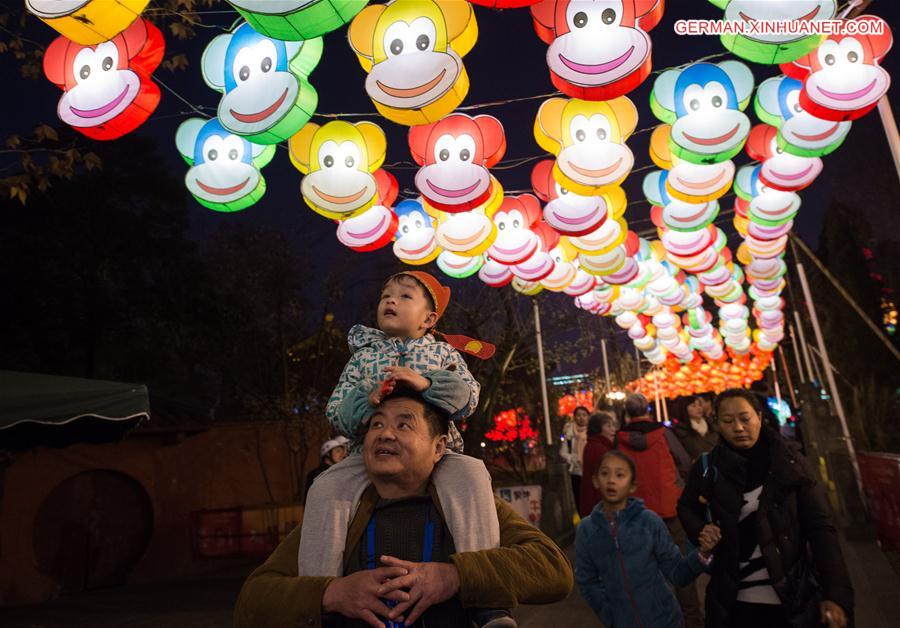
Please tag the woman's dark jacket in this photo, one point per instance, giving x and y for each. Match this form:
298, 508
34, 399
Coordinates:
795, 531
693, 442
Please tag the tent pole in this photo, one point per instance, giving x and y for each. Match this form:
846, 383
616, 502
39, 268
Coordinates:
540, 352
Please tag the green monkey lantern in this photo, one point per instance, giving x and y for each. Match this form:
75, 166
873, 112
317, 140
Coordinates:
294, 20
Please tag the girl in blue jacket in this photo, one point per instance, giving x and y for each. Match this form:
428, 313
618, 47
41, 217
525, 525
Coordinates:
624, 554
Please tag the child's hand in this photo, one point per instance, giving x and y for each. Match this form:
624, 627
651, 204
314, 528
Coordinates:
710, 536
380, 392
407, 377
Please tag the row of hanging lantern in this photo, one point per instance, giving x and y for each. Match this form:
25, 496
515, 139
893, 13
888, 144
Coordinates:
578, 243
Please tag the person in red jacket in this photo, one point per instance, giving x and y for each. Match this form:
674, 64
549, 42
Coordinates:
601, 434
658, 454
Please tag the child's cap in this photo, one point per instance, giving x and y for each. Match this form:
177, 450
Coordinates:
439, 294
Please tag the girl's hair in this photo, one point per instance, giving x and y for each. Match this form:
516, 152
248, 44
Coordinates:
410, 280
577, 408
733, 393
681, 408
598, 421
615, 453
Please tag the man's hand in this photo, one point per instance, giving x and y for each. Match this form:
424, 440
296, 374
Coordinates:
357, 596
381, 391
428, 584
833, 615
709, 537
405, 376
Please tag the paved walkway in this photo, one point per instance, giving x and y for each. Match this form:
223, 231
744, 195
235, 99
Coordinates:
208, 603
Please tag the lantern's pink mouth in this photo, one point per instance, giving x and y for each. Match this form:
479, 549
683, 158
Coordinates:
412, 252
850, 96
339, 200
567, 278
222, 191
818, 136
412, 92
712, 141
578, 221
686, 250
250, 118
465, 241
503, 274
600, 68
452, 193
776, 212
515, 251
702, 185
793, 177
368, 234
596, 174
100, 111
693, 217
803, 18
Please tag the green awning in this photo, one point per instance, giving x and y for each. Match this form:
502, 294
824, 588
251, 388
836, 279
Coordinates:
51, 410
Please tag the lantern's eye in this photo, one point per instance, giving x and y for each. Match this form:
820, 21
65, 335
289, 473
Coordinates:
447, 147
107, 64
580, 20
328, 161
828, 53
212, 155
213, 146
464, 155
608, 16
422, 42
260, 55
234, 146
85, 71
852, 50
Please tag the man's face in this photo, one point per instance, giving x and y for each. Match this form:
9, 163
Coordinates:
404, 310
398, 446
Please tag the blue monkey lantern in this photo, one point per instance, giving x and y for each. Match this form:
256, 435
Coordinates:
266, 95
225, 168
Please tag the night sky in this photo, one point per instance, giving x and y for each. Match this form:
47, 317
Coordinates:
508, 61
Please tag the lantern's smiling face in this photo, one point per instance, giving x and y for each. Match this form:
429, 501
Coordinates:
596, 42
225, 168
845, 80
705, 102
223, 165
407, 46
373, 228
102, 88
778, 100
455, 155
780, 170
564, 270
470, 232
695, 183
514, 220
786, 10
339, 160
415, 234
260, 84
100, 83
494, 273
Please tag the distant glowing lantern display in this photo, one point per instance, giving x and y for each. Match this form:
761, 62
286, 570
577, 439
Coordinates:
266, 95
704, 103
800, 133
511, 426
455, 155
780, 170
768, 47
581, 398
844, 80
412, 51
87, 22
570, 213
375, 227
597, 50
225, 168
341, 162
294, 20
459, 266
415, 239
588, 139
515, 219
107, 88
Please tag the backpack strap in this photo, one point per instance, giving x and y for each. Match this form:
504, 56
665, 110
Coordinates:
710, 475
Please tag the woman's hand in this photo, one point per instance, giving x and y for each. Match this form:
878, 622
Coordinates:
833, 615
427, 583
709, 537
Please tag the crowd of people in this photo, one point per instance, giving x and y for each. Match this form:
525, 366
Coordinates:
401, 529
